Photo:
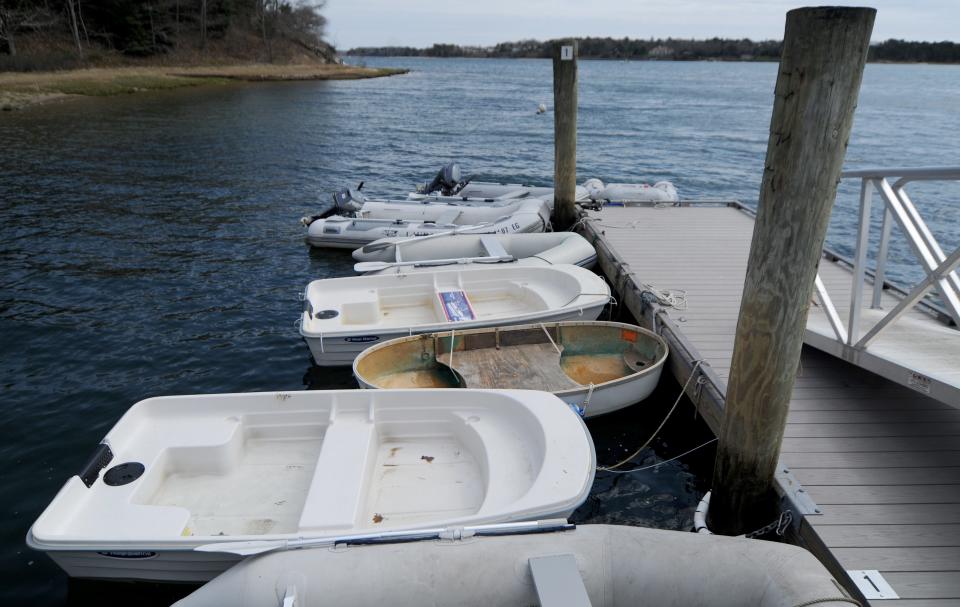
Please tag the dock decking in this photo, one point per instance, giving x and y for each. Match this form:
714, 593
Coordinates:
878, 459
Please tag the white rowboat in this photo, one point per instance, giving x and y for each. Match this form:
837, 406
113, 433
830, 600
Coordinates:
179, 476
343, 316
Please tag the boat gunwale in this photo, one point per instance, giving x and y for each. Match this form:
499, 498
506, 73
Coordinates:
654, 366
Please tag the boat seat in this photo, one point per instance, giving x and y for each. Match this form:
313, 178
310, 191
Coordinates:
558, 581
525, 367
492, 245
336, 493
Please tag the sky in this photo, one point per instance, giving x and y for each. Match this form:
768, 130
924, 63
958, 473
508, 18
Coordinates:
421, 23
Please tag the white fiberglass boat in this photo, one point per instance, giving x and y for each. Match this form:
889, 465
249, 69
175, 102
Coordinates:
342, 316
599, 565
403, 255
181, 480
378, 220
597, 367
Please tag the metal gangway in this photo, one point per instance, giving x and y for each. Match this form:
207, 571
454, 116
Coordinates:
905, 335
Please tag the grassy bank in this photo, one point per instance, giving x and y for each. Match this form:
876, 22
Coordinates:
23, 89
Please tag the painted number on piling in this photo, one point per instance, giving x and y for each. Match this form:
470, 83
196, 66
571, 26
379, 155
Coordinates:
566, 53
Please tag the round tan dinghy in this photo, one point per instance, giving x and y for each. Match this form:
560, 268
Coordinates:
597, 367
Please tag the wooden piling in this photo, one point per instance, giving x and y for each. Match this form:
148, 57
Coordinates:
824, 51
564, 133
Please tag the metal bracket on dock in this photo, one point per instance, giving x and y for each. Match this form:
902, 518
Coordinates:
872, 584
796, 497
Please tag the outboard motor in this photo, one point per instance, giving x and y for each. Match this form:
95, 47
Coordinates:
348, 200
447, 181
345, 202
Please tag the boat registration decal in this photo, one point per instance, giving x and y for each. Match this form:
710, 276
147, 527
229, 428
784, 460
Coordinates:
128, 554
363, 339
456, 306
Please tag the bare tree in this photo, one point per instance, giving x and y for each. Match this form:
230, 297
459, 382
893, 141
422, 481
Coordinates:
72, 14
21, 15
203, 24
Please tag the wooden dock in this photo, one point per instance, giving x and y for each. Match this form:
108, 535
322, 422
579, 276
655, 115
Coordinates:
870, 465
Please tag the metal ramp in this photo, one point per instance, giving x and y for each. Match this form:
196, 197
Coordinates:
898, 334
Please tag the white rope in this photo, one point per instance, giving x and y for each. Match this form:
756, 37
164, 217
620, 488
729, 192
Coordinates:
673, 298
553, 343
666, 461
683, 391
451, 348
586, 402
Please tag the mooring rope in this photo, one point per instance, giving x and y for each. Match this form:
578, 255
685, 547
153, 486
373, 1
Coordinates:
683, 391
666, 461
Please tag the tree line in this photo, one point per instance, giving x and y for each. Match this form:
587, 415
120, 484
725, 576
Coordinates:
669, 48
144, 28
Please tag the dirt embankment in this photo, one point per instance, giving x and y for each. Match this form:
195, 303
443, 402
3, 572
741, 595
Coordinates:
23, 89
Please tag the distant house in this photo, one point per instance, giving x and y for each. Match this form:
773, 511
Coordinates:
661, 52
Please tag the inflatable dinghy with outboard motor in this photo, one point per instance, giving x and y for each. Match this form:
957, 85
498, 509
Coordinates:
448, 186
376, 220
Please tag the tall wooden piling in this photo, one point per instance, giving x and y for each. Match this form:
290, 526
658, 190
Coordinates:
564, 133
824, 51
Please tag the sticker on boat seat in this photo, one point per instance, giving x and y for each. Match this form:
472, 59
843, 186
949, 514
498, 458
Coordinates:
456, 306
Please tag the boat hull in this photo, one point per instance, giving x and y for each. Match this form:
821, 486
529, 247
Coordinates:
342, 350
410, 221
582, 363
180, 481
528, 249
344, 316
616, 566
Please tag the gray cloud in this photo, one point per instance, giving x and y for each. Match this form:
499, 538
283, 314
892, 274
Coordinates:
425, 22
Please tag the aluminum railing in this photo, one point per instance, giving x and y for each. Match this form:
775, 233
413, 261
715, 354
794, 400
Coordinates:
899, 209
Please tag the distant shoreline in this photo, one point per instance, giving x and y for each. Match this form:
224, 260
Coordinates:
19, 90
642, 59
669, 49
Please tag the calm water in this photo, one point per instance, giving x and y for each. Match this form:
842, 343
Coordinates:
150, 243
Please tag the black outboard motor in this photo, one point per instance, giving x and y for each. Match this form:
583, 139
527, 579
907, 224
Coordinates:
345, 202
447, 181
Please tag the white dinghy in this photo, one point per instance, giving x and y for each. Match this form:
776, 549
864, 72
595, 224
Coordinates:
597, 367
403, 254
342, 316
388, 220
598, 565
447, 186
180, 481
627, 193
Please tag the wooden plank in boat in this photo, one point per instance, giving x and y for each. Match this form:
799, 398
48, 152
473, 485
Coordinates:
524, 366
